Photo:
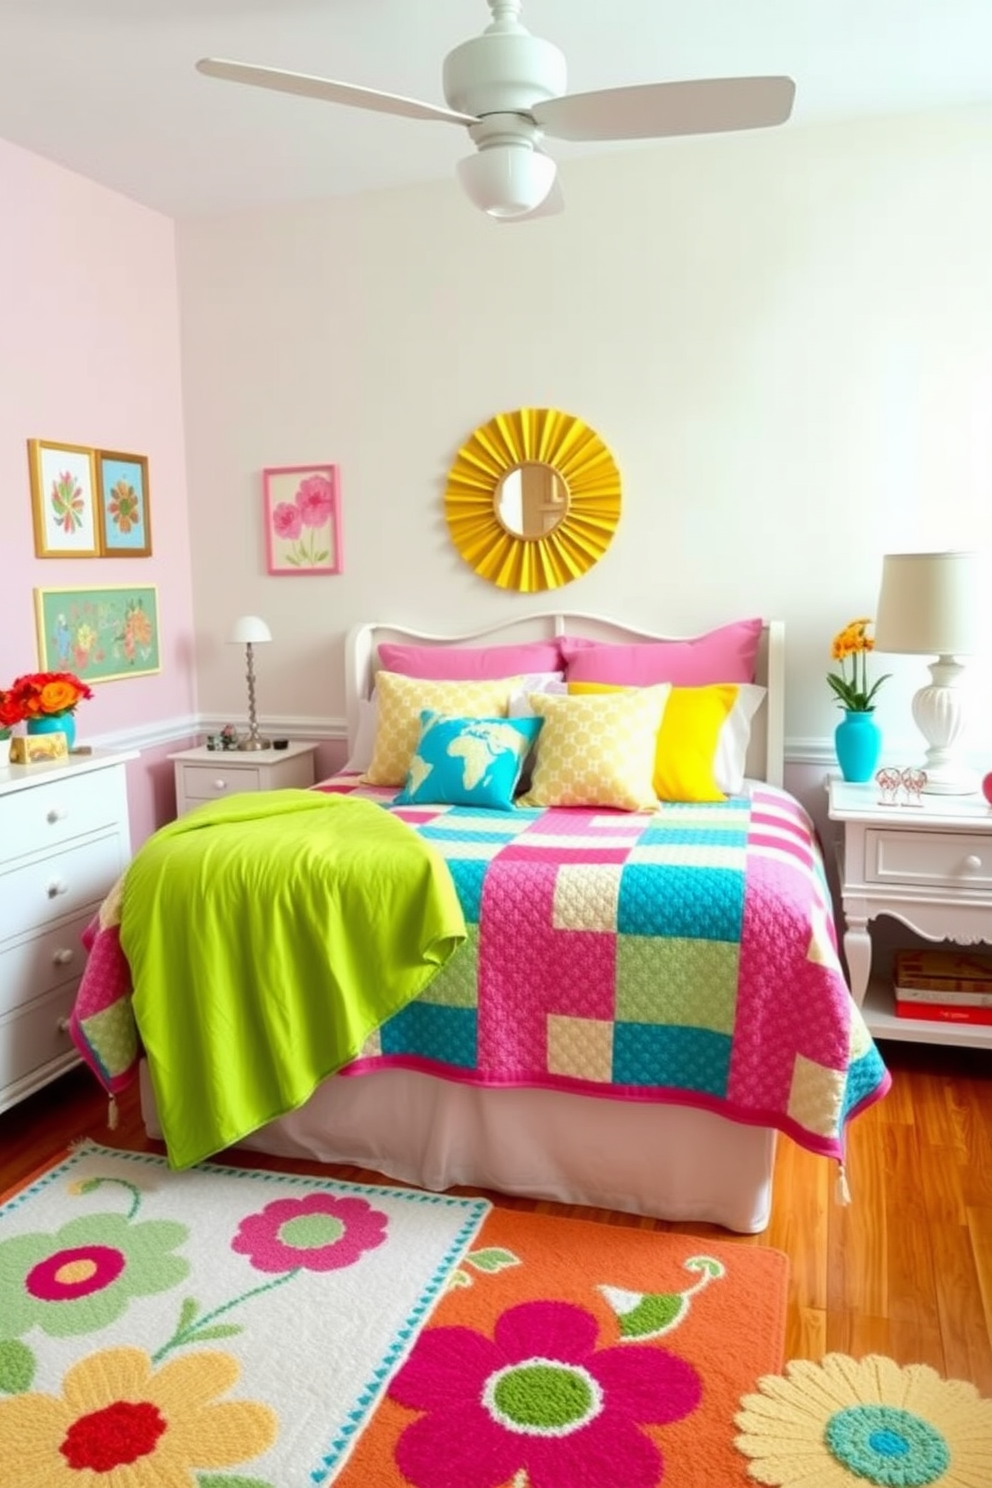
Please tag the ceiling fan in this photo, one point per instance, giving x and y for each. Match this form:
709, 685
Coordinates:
507, 88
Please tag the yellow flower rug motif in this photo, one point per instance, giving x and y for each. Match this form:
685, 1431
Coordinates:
214, 1328
868, 1423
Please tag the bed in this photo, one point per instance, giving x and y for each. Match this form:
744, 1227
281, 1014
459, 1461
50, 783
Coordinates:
568, 1100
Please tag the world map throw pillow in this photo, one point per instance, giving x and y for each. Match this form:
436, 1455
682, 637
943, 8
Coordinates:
467, 761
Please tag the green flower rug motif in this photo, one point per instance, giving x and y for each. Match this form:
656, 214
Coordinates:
212, 1328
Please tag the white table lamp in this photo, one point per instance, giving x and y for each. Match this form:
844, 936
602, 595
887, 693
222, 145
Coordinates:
932, 604
249, 631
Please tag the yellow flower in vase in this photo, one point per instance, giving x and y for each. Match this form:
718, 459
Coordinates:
853, 644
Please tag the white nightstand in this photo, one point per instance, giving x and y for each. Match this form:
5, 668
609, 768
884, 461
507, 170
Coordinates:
204, 774
929, 866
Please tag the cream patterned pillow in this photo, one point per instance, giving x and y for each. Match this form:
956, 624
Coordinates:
400, 701
597, 750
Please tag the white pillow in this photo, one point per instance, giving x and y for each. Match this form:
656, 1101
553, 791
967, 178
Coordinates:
734, 738
361, 754
548, 684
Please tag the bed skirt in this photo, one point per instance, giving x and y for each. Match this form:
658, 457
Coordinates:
669, 1162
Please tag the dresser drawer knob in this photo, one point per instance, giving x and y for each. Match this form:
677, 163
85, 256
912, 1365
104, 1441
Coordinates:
63, 1025
63, 956
56, 887
973, 862
56, 814
220, 784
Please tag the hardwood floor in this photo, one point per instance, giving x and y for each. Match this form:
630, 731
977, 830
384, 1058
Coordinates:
904, 1270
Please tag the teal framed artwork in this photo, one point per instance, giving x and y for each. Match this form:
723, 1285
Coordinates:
124, 505
101, 634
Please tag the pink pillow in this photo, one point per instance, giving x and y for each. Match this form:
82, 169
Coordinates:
728, 654
443, 663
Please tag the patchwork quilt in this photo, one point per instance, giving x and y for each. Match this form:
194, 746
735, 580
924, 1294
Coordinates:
688, 955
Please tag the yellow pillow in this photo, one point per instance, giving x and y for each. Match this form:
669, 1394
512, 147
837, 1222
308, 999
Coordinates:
688, 739
597, 751
399, 701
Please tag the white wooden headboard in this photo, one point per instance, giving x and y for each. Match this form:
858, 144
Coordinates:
766, 754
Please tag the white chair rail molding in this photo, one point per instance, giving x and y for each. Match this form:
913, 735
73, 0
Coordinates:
937, 604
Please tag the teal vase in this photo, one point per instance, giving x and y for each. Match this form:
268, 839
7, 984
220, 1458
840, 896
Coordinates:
51, 723
858, 742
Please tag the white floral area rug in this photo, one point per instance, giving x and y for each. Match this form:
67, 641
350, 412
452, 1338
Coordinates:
866, 1423
212, 1328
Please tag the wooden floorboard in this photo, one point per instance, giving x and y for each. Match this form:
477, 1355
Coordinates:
905, 1269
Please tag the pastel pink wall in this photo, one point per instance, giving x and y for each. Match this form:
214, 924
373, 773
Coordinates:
90, 355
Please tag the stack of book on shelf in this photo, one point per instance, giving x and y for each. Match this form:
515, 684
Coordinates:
948, 986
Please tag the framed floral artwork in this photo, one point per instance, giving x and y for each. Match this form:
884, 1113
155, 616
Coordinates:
99, 634
63, 500
302, 509
125, 514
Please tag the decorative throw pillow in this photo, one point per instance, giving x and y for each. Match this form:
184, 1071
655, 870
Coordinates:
703, 739
468, 761
399, 703
597, 751
727, 654
443, 663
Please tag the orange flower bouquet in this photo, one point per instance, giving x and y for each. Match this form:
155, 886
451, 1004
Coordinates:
45, 695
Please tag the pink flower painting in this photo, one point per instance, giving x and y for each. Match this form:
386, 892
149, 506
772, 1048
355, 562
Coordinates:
302, 520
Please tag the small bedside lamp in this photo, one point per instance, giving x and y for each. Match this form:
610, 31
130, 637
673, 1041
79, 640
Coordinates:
249, 632
932, 604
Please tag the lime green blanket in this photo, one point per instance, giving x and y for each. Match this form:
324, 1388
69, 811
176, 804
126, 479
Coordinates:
268, 935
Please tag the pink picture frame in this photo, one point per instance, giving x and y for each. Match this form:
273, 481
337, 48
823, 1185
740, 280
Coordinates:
302, 515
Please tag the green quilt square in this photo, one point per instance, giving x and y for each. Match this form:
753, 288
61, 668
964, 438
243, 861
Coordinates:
687, 983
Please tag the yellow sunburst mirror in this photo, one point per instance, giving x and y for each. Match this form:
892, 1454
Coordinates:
533, 499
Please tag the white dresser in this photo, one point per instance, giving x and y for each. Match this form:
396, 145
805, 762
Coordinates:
64, 839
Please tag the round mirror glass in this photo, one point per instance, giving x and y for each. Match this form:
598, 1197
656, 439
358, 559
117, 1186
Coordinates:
531, 499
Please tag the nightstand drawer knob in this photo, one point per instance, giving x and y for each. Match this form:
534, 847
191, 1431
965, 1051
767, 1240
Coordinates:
57, 814
220, 785
56, 887
62, 956
973, 862
63, 1025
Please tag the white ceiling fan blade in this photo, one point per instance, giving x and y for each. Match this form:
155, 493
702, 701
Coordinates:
328, 91
653, 110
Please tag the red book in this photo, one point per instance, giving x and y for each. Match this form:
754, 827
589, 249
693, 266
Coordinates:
942, 1012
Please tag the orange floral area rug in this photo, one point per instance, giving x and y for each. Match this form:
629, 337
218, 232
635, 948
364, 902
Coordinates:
228, 1328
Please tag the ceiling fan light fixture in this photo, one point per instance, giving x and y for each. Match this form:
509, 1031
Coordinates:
507, 179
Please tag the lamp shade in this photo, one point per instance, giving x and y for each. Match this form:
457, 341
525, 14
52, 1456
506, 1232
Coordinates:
249, 628
507, 180
932, 604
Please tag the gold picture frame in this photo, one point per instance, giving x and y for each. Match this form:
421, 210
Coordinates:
63, 500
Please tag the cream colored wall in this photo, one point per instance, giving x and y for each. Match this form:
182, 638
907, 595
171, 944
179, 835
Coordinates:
785, 338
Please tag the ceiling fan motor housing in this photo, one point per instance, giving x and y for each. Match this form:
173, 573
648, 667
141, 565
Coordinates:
503, 73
